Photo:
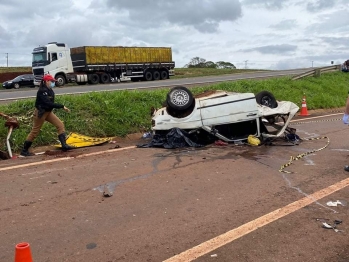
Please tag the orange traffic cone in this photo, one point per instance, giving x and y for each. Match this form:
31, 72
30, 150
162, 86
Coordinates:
23, 253
304, 110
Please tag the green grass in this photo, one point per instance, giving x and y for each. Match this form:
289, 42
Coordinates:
119, 113
197, 72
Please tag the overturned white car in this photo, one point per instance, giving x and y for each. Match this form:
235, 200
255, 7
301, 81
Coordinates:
227, 115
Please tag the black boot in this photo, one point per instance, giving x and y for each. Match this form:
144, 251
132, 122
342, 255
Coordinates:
25, 150
62, 139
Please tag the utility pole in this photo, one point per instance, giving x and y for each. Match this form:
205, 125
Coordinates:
7, 58
246, 64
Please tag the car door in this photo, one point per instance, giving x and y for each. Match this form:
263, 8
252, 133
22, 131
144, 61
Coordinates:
229, 109
25, 80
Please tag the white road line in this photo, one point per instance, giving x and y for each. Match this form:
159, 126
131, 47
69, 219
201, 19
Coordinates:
65, 158
228, 237
314, 117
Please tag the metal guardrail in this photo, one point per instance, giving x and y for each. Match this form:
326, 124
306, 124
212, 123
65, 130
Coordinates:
317, 71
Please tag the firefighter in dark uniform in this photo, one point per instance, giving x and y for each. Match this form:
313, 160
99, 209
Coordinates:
44, 104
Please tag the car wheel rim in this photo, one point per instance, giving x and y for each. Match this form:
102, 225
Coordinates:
180, 98
266, 101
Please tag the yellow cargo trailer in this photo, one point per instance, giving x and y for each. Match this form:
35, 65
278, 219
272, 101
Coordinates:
119, 54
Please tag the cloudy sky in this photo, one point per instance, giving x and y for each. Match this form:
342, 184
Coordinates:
264, 34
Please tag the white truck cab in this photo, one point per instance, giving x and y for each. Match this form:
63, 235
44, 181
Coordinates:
53, 58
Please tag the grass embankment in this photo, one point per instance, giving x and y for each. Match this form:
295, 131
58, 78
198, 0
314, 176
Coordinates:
198, 72
120, 113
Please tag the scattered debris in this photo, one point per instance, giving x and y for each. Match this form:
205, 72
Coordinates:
107, 192
334, 227
147, 135
325, 225
336, 203
4, 155
214, 255
220, 143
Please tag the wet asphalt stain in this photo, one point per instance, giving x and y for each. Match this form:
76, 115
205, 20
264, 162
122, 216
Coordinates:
112, 185
232, 153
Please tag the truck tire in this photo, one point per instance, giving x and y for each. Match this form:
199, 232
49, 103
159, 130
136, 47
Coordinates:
156, 75
163, 75
60, 80
104, 78
179, 98
148, 76
266, 98
93, 79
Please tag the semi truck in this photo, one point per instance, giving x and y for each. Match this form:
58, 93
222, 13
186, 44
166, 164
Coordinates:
101, 64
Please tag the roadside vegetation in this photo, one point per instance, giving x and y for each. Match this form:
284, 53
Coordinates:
118, 113
199, 72
15, 69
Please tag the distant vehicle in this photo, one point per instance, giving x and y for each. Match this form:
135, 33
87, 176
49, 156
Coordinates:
229, 116
101, 64
19, 81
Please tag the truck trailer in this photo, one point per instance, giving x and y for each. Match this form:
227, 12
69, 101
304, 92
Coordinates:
101, 64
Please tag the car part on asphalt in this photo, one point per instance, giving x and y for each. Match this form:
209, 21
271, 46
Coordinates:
11, 123
336, 203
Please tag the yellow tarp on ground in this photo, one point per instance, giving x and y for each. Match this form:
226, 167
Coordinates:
78, 140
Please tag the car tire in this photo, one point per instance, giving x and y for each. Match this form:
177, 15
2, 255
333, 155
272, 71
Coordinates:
60, 80
266, 98
179, 98
16, 85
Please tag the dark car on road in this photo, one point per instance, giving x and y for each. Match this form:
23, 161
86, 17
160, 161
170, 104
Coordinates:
19, 81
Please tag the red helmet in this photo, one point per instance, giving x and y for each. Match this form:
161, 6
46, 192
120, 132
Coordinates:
48, 78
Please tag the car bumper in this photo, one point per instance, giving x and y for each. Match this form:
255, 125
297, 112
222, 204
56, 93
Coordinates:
7, 86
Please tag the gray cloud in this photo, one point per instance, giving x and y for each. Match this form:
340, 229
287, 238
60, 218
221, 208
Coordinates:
203, 15
268, 4
260, 31
273, 49
319, 5
285, 25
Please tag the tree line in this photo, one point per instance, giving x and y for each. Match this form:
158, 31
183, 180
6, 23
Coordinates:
198, 62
